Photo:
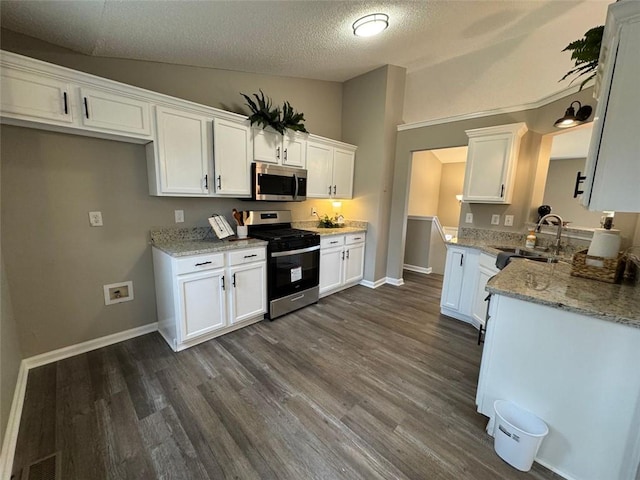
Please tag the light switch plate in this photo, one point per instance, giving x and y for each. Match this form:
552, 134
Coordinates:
495, 219
468, 218
508, 220
179, 214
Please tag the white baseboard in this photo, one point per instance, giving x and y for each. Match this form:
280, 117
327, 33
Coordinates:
84, 347
415, 268
13, 424
396, 282
376, 284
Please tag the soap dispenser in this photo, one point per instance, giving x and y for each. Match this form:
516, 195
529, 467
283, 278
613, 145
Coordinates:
531, 240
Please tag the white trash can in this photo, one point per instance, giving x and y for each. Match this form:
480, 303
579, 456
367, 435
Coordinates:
517, 434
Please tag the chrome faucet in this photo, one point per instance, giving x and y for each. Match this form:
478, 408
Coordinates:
558, 233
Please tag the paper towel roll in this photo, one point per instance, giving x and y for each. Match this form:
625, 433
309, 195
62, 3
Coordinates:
605, 243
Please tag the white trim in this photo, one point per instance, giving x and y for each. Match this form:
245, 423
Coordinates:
555, 470
84, 347
376, 284
415, 268
13, 424
497, 111
396, 282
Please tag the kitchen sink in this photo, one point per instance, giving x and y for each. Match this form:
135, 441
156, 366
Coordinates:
521, 252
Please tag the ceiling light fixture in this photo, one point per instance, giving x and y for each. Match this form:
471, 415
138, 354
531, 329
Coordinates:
571, 118
370, 25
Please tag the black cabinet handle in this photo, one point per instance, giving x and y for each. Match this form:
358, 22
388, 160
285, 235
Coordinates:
278, 153
347, 254
343, 255
502, 190
250, 256
333, 242
461, 258
579, 179
285, 154
219, 182
66, 105
206, 181
358, 238
222, 278
334, 189
86, 107
329, 189
203, 263
233, 280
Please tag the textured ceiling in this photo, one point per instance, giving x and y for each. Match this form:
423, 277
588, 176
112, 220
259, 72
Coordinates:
462, 56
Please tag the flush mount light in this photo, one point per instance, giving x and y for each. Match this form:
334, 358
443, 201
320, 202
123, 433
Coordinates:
571, 118
370, 25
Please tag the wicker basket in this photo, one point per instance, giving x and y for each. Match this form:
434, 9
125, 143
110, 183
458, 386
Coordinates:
610, 272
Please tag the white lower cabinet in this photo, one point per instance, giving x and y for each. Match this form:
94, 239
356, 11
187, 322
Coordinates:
460, 282
200, 297
486, 270
341, 261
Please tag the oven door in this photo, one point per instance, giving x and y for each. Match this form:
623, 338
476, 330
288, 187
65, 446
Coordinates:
293, 271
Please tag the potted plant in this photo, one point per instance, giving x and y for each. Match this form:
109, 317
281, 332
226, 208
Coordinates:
264, 114
585, 52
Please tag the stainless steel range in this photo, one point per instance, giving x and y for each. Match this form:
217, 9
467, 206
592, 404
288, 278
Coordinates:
293, 273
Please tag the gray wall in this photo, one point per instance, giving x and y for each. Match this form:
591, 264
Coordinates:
372, 110
539, 121
10, 352
320, 101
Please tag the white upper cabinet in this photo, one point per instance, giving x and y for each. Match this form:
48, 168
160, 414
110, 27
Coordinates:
491, 163
330, 169
104, 110
35, 97
232, 153
56, 98
613, 163
179, 160
271, 147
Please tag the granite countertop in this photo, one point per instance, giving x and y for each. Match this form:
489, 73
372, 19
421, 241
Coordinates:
182, 248
180, 242
335, 231
619, 303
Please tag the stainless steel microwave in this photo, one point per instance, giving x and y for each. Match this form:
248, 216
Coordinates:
278, 183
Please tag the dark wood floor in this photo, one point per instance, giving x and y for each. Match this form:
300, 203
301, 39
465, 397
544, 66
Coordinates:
368, 384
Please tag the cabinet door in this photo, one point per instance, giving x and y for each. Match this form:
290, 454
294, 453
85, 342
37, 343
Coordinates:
331, 269
319, 170
184, 152
354, 263
267, 146
487, 162
479, 307
613, 167
343, 165
35, 97
114, 112
453, 277
202, 303
232, 152
294, 150
248, 291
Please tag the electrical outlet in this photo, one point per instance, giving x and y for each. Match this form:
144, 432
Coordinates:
495, 219
179, 214
95, 219
468, 218
118, 292
508, 220
313, 211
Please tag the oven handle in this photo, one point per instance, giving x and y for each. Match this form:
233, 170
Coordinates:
295, 252
295, 180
